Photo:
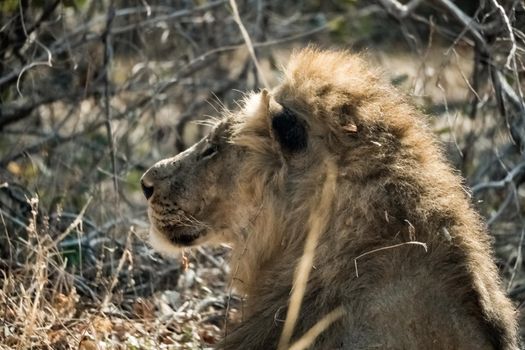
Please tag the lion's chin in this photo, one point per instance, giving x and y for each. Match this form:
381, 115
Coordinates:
169, 240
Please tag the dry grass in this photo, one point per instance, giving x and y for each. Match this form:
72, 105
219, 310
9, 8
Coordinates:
44, 305
317, 222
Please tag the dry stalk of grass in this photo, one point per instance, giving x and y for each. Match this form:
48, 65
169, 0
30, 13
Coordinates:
309, 337
126, 257
318, 219
74, 224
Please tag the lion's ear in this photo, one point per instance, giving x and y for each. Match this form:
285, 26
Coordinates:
289, 131
265, 101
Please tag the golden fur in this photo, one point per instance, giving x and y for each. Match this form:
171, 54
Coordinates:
390, 185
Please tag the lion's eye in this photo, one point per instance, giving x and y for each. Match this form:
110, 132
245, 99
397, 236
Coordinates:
209, 151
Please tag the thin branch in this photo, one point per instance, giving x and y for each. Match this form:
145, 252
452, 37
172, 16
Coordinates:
248, 42
106, 39
399, 10
466, 21
518, 170
169, 17
503, 206
11, 113
83, 34
47, 62
505, 94
512, 53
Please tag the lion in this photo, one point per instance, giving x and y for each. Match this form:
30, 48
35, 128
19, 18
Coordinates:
399, 247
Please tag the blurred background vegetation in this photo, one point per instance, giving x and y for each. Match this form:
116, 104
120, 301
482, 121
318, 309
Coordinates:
93, 92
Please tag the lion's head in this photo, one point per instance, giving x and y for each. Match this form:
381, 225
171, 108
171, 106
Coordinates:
273, 153
212, 190
191, 195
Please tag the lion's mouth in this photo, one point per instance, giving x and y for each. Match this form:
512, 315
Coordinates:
179, 231
182, 235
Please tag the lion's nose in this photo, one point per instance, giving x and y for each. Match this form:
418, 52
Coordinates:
147, 188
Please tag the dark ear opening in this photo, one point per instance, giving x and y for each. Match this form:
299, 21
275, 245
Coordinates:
290, 131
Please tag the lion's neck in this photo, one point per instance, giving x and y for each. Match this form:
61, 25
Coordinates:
281, 237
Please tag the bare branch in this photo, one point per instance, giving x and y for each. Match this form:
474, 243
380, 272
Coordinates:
248, 42
466, 21
399, 10
512, 53
518, 170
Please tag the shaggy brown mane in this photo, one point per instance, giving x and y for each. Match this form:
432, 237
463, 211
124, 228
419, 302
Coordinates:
393, 186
